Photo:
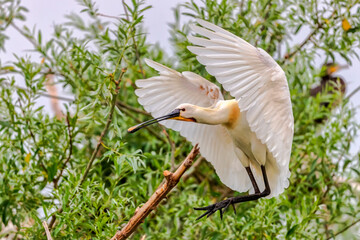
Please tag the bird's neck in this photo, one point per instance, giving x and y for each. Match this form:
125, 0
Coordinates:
225, 112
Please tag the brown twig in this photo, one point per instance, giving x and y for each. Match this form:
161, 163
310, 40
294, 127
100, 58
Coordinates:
48, 235
171, 179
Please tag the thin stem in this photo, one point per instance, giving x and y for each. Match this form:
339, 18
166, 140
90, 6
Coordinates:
33, 138
306, 40
133, 109
107, 16
353, 93
42, 94
135, 45
344, 229
138, 121
56, 180
108, 122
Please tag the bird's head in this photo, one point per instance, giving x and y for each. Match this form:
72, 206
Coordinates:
184, 112
330, 68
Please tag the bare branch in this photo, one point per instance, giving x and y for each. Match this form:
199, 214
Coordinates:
171, 179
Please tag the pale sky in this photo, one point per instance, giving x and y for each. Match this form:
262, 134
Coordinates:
43, 13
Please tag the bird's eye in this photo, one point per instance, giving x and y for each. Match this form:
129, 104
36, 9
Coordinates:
183, 109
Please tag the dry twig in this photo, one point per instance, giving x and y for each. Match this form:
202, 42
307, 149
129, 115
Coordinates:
171, 179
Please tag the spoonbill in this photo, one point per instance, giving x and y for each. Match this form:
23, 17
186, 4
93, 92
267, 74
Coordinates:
247, 139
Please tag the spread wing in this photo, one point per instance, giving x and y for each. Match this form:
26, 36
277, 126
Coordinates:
258, 83
160, 95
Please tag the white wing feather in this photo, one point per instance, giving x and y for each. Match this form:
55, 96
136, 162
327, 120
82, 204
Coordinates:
162, 94
258, 83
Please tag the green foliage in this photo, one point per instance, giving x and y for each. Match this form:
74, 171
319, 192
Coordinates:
87, 171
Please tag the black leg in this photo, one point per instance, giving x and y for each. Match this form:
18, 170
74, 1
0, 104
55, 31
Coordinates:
251, 176
223, 205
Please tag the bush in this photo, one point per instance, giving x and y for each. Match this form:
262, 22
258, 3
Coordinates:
82, 173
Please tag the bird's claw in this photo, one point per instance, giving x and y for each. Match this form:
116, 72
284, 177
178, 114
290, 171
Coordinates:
220, 206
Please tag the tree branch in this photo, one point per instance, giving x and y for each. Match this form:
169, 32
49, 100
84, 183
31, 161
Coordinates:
171, 179
344, 229
306, 40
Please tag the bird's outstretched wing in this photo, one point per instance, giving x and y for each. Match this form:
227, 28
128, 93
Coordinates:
162, 94
258, 83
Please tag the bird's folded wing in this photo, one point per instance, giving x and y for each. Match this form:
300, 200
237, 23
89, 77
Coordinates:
253, 77
162, 94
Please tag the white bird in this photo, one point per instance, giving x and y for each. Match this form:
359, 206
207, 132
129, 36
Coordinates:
248, 139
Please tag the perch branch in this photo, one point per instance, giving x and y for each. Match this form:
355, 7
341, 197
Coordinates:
171, 179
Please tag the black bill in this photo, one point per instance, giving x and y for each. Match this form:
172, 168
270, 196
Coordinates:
173, 114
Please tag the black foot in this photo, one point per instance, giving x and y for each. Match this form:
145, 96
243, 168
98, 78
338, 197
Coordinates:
220, 206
